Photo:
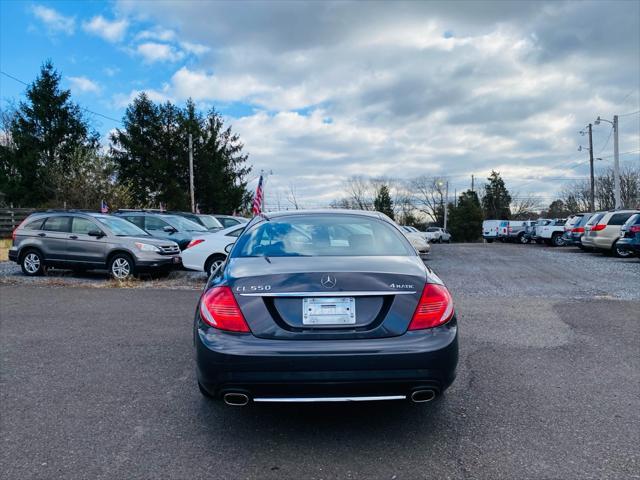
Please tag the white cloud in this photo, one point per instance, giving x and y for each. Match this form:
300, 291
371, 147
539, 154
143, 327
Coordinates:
112, 31
158, 52
53, 20
411, 88
84, 85
194, 48
157, 33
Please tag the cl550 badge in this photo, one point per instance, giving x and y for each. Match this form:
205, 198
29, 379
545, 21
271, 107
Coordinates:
253, 288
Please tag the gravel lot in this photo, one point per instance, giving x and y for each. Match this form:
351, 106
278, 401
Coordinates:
99, 383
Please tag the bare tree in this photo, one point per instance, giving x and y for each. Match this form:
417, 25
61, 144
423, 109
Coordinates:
428, 195
575, 195
292, 196
524, 207
360, 192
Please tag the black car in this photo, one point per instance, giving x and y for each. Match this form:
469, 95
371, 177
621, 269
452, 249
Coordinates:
165, 226
315, 306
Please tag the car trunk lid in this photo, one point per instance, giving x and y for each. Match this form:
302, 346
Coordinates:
327, 297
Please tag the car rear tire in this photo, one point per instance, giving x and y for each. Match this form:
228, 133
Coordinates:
121, 266
618, 252
213, 262
489, 240
32, 263
556, 240
523, 239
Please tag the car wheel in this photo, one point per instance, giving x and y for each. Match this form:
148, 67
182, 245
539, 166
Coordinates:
440, 240
121, 266
557, 240
618, 252
523, 239
213, 262
32, 263
489, 240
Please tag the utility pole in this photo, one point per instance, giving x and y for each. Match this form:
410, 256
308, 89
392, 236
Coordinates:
592, 197
472, 185
193, 197
446, 201
616, 163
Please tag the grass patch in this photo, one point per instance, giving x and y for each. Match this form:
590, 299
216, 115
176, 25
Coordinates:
5, 244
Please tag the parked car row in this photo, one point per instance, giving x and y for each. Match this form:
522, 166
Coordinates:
615, 231
125, 243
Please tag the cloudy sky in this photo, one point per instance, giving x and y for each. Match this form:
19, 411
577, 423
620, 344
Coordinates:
321, 91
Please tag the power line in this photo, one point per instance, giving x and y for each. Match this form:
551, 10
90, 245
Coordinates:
82, 108
607, 142
631, 113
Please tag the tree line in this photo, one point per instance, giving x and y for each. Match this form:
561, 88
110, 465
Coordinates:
420, 201
50, 156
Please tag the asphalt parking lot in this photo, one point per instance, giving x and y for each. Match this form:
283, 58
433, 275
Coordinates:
99, 383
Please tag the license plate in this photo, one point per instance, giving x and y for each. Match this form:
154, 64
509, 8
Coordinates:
176, 259
329, 311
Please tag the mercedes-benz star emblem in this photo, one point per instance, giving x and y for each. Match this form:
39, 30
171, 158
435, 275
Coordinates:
328, 281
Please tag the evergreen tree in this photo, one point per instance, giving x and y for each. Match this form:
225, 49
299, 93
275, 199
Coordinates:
46, 131
383, 203
152, 156
496, 200
220, 166
465, 219
136, 153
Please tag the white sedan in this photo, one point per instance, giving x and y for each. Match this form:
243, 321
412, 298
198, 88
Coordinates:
207, 252
417, 240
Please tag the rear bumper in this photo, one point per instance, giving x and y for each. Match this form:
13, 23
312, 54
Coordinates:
228, 362
13, 254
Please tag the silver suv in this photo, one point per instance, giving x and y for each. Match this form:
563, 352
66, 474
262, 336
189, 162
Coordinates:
83, 241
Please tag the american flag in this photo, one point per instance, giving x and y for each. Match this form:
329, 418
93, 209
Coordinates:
104, 208
257, 199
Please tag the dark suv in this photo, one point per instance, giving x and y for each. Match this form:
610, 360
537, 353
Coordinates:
83, 241
164, 225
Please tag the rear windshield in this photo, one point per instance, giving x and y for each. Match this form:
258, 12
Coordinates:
182, 224
593, 220
210, 221
323, 236
633, 220
573, 221
120, 227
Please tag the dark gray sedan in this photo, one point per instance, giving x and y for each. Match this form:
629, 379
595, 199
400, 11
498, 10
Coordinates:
324, 306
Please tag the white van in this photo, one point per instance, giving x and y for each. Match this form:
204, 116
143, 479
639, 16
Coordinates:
490, 230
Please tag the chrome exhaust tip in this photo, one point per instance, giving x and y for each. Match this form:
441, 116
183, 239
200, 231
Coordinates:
236, 399
420, 396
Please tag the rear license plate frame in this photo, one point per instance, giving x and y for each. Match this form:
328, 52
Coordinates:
328, 311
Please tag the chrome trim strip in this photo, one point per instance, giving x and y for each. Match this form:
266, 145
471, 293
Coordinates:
327, 294
327, 399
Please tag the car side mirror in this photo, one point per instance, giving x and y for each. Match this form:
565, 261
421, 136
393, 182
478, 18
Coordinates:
169, 229
228, 248
95, 233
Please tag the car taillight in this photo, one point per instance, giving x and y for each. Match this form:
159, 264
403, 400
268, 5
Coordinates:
219, 309
598, 227
15, 230
195, 242
635, 229
578, 230
434, 308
